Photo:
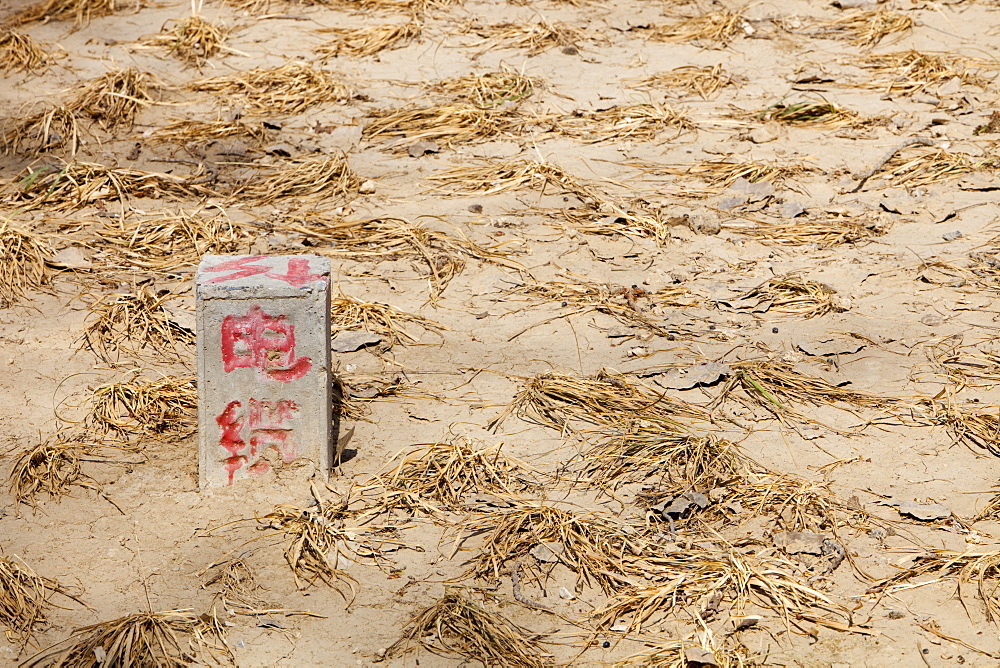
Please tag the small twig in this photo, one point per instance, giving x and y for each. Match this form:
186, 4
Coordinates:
912, 141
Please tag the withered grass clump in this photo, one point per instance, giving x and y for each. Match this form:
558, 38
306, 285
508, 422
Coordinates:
114, 99
490, 89
316, 541
238, 590
794, 296
171, 639
706, 82
22, 263
19, 52
725, 172
144, 407
78, 184
490, 177
866, 27
912, 168
598, 548
193, 39
810, 113
974, 425
24, 598
980, 569
642, 122
456, 625
692, 575
436, 477
447, 124
912, 72
712, 29
975, 369
288, 89
553, 399
824, 234
676, 654
391, 238
53, 128
349, 313
329, 179
796, 504
81, 11
188, 130
534, 38
169, 241
51, 468
134, 322
368, 41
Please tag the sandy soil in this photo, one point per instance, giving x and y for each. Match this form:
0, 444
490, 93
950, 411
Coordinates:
904, 270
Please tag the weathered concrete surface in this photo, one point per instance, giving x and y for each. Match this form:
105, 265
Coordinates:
264, 386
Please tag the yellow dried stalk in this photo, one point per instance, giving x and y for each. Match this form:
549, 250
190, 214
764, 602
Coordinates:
706, 82
142, 407
912, 168
489, 90
289, 89
912, 72
642, 122
23, 257
680, 653
811, 113
726, 172
534, 38
824, 234
487, 177
132, 323
24, 599
43, 131
456, 625
19, 52
447, 124
368, 41
50, 468
114, 99
712, 29
349, 313
866, 27
81, 11
792, 295
329, 179
193, 40
186, 130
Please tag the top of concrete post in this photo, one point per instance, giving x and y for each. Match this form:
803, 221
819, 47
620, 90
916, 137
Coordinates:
267, 276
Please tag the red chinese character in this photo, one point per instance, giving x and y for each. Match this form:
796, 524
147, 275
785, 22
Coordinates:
263, 342
296, 275
267, 430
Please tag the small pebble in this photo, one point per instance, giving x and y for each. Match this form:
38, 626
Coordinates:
951, 236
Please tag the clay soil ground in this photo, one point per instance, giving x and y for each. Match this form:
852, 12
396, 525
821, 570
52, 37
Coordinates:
685, 324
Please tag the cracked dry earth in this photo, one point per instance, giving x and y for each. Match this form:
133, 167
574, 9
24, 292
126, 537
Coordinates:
691, 358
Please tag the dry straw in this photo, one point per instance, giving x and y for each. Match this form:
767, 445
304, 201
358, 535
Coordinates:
190, 131
824, 234
171, 639
919, 166
706, 82
238, 591
328, 179
598, 548
490, 177
490, 89
554, 399
22, 264
81, 11
976, 426
193, 40
725, 172
24, 598
368, 41
712, 29
436, 477
793, 296
134, 323
114, 99
446, 124
19, 52
316, 541
350, 313
51, 468
641, 122
170, 241
866, 27
143, 407
457, 625
912, 72
685, 653
533, 38
809, 113
53, 128
392, 238
289, 89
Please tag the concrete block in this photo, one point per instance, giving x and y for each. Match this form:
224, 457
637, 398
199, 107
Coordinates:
264, 385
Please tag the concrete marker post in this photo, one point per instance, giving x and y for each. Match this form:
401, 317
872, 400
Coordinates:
264, 377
